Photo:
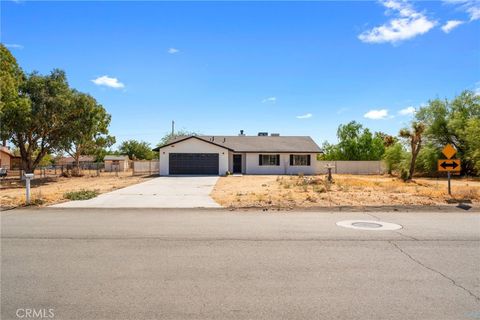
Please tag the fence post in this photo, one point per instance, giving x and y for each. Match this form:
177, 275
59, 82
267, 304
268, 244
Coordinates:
150, 167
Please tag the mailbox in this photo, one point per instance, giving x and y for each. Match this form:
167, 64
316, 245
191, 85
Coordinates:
29, 175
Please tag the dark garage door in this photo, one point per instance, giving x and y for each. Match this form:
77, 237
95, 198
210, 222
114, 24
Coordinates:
193, 163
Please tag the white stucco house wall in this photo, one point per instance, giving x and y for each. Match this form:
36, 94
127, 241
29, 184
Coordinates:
217, 155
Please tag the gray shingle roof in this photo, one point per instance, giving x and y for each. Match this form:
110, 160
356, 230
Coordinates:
260, 143
114, 157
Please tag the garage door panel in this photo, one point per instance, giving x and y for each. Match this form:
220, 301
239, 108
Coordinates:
193, 163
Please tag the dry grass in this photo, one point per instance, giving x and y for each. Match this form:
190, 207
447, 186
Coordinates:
52, 190
347, 190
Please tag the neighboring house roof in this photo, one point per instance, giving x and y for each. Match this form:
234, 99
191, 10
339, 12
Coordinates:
114, 157
65, 160
294, 144
7, 151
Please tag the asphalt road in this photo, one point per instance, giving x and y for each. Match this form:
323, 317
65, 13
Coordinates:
216, 264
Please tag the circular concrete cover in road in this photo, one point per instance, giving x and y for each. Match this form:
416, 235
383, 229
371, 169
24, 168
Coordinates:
369, 225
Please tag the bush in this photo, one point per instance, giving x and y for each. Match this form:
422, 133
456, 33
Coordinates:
404, 174
394, 157
81, 195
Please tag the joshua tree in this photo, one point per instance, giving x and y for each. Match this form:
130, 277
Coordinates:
414, 135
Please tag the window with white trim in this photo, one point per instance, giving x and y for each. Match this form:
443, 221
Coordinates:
299, 159
269, 160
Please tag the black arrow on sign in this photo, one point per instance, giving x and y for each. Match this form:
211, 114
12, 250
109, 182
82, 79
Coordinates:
445, 165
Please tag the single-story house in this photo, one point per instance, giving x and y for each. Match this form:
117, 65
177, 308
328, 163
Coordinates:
217, 155
8, 160
116, 163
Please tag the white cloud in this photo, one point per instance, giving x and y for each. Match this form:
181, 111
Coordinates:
450, 25
406, 24
407, 111
108, 82
13, 45
173, 50
305, 116
376, 114
270, 100
474, 12
471, 7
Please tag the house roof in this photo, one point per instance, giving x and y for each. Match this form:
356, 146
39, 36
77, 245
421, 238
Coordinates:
71, 159
7, 151
294, 144
114, 157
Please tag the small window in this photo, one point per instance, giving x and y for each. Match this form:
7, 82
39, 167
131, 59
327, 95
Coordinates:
299, 159
269, 160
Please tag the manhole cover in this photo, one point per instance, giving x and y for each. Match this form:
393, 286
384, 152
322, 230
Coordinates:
368, 225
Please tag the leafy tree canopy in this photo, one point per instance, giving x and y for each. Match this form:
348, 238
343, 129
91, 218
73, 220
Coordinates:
134, 149
39, 124
91, 127
169, 136
355, 143
454, 122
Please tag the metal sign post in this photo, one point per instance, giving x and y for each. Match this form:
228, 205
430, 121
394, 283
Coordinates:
449, 188
449, 165
28, 177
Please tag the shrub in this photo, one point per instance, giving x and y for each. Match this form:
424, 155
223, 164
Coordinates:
81, 195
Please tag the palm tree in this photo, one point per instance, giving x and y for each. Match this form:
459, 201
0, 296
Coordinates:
415, 136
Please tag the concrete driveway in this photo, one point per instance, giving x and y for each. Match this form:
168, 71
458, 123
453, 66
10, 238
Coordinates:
162, 192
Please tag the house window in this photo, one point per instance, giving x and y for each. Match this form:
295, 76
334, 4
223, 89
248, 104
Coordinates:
299, 159
269, 159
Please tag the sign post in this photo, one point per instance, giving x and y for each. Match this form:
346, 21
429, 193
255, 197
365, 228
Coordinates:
28, 177
449, 165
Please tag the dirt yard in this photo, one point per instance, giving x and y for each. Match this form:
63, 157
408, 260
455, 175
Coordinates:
47, 191
346, 190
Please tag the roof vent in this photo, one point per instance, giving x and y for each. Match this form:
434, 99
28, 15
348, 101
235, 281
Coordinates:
275, 134
263, 134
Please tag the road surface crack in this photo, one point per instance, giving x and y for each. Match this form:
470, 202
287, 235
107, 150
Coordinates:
397, 232
435, 271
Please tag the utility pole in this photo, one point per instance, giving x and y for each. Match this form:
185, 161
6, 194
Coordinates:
173, 128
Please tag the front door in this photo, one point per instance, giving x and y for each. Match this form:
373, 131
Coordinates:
237, 163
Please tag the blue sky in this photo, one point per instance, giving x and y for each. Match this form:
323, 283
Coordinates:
298, 68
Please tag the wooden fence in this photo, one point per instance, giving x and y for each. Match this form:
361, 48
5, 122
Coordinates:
141, 167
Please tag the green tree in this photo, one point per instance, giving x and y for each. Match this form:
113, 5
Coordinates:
472, 139
355, 143
41, 122
414, 137
136, 150
90, 126
453, 122
11, 77
170, 136
394, 157
427, 160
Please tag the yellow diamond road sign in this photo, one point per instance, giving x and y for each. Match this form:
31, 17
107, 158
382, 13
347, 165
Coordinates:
449, 151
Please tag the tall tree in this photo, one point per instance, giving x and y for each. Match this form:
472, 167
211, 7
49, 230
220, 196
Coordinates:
450, 122
355, 143
11, 77
42, 124
414, 136
136, 150
169, 136
90, 126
